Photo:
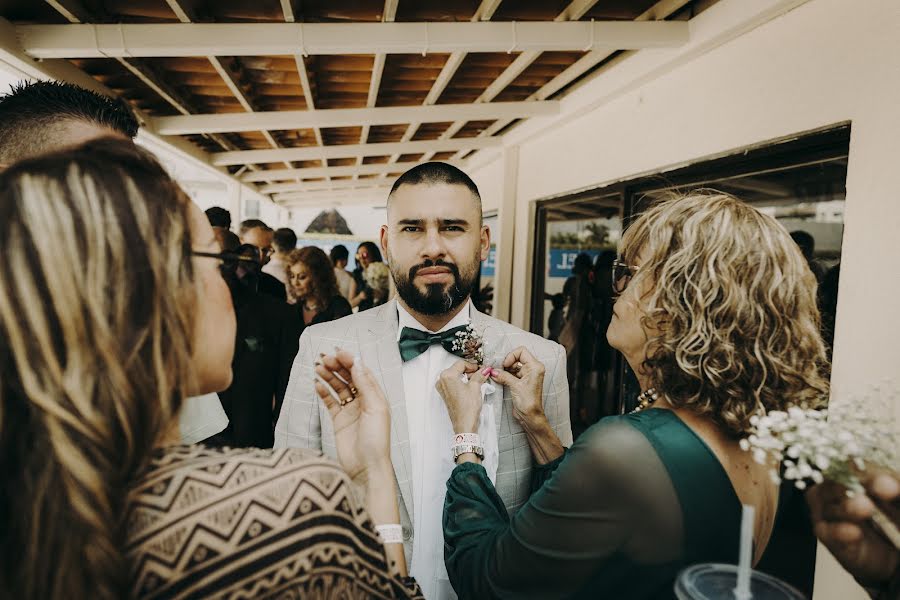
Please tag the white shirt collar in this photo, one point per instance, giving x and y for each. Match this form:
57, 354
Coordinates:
463, 317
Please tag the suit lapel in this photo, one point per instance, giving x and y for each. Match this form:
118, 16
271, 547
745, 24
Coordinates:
381, 354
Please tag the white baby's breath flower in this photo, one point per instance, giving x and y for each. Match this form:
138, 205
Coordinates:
814, 445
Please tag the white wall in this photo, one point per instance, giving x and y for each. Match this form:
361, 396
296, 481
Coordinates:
744, 79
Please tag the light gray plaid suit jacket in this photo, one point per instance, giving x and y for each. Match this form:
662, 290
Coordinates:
304, 421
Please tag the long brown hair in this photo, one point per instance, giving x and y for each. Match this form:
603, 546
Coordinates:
96, 304
321, 271
731, 308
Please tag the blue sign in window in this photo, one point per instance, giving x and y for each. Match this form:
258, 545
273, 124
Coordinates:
489, 267
561, 261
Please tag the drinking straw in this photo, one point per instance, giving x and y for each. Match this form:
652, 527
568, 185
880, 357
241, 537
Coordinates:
742, 590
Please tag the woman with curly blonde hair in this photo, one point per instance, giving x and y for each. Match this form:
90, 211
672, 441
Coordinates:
717, 316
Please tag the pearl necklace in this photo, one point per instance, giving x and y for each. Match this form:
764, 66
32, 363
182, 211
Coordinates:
646, 399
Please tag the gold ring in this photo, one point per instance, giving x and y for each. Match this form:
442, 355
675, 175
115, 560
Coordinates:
518, 366
353, 391
348, 400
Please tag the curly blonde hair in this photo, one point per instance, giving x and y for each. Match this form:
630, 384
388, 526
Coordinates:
731, 313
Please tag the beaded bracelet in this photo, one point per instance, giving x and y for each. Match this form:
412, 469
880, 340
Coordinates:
390, 534
466, 438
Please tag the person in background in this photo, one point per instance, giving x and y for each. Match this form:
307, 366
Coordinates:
378, 282
842, 524
283, 241
258, 234
557, 318
807, 244
95, 500
577, 338
345, 281
312, 282
264, 350
219, 218
46, 116
366, 253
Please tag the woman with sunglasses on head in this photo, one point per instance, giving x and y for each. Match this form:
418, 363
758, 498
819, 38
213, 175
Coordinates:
106, 266
717, 316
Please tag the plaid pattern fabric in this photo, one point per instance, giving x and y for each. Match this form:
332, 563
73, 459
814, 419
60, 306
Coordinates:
304, 422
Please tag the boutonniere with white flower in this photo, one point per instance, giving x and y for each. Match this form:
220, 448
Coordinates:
809, 446
470, 344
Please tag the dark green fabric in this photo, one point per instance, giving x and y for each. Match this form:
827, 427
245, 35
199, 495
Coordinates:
414, 342
636, 499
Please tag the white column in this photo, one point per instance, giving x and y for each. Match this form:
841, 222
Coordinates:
506, 223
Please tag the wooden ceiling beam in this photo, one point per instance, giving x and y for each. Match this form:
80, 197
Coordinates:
274, 39
484, 12
574, 11
387, 16
335, 197
352, 150
325, 189
349, 117
74, 12
348, 170
186, 16
656, 13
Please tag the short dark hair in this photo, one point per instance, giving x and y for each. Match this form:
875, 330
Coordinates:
219, 217
284, 239
372, 249
230, 241
32, 114
436, 172
248, 224
806, 242
339, 252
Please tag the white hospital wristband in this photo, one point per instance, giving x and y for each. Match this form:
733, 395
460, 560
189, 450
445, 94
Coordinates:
390, 534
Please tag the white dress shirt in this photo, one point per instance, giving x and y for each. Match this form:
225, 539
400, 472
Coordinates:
201, 417
430, 434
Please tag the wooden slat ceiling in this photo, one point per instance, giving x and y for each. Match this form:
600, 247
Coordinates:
197, 85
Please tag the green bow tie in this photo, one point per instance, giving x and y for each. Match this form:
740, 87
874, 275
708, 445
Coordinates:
414, 342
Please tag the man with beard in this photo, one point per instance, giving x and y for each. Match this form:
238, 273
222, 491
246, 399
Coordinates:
434, 242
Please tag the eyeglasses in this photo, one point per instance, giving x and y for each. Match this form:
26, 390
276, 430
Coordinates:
621, 276
229, 260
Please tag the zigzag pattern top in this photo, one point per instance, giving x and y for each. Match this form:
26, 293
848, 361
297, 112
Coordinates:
249, 523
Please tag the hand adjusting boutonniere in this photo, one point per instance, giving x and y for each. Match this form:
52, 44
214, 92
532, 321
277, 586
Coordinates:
470, 345
840, 444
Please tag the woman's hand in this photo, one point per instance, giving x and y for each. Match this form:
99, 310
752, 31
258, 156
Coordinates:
463, 398
360, 412
523, 375
842, 524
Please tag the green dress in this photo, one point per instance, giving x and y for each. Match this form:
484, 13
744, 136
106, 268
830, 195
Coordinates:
636, 499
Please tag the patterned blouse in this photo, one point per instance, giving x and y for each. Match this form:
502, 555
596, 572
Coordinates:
250, 523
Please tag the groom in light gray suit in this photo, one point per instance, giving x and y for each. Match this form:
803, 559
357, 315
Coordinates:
434, 241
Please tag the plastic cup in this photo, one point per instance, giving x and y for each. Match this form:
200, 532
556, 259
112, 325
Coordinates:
717, 582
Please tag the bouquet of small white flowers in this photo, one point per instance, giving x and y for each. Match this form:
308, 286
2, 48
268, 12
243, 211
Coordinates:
808, 446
